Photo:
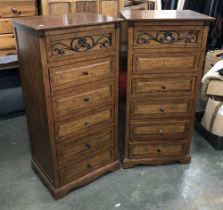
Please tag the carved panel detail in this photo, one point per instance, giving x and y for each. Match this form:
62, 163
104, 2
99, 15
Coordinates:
82, 44
168, 37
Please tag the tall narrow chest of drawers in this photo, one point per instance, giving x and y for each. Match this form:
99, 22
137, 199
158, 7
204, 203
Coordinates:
69, 70
165, 60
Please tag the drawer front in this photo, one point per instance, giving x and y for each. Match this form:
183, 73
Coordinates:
17, 9
8, 52
7, 41
83, 100
158, 130
84, 124
163, 87
82, 73
161, 109
6, 26
68, 152
165, 63
156, 150
84, 167
168, 37
80, 44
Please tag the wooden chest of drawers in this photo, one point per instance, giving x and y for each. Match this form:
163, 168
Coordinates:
10, 9
69, 70
165, 61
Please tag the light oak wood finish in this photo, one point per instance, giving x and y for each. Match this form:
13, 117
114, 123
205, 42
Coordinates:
109, 7
144, 131
163, 86
7, 41
10, 9
78, 101
17, 8
85, 6
6, 26
61, 7
83, 124
165, 61
5, 52
159, 150
75, 148
81, 168
74, 124
160, 109
81, 73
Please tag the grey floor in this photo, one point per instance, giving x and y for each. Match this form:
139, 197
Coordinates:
198, 185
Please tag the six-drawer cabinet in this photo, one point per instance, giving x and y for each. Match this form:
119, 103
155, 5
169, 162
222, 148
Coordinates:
69, 70
165, 60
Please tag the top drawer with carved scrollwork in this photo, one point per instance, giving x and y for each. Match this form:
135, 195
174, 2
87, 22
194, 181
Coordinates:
79, 44
168, 37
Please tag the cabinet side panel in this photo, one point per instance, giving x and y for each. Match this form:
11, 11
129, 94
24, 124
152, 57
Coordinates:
33, 88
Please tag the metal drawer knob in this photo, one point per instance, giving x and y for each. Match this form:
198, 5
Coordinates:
89, 165
162, 109
158, 150
161, 131
86, 99
163, 87
88, 124
14, 10
85, 73
88, 146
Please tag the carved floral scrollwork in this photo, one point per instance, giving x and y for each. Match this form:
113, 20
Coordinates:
82, 44
168, 37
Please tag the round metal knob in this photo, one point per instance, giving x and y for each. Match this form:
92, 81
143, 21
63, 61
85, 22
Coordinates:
88, 124
85, 73
14, 10
158, 150
161, 131
89, 165
162, 109
163, 87
86, 99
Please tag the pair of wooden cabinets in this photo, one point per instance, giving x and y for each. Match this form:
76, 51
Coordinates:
104, 7
70, 66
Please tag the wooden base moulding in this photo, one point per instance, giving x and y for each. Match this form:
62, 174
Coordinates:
129, 163
60, 192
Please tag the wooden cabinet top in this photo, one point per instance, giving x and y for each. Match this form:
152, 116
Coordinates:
65, 21
164, 15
